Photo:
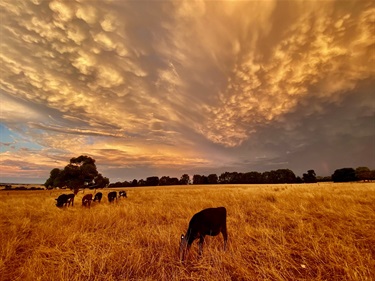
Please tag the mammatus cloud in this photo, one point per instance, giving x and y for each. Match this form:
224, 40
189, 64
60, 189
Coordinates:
323, 56
185, 84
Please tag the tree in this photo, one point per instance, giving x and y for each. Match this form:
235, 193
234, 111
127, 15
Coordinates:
310, 177
198, 179
230, 178
212, 179
141, 182
324, 179
164, 180
185, 179
344, 175
268, 177
279, 176
174, 181
100, 182
225, 178
52, 178
299, 180
252, 177
152, 181
81, 172
363, 173
285, 176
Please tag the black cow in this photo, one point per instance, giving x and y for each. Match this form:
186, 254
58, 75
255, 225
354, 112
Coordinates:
98, 196
209, 221
122, 193
64, 199
86, 200
112, 196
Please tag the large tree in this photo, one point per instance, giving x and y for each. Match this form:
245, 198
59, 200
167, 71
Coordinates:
344, 175
81, 172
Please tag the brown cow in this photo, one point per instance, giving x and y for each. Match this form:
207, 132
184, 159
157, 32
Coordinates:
86, 200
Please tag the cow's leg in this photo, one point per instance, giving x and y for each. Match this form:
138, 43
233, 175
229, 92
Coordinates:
225, 235
201, 241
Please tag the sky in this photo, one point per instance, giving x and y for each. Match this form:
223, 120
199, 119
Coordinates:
164, 88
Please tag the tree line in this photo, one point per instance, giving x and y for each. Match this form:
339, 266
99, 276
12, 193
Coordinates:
268, 177
81, 172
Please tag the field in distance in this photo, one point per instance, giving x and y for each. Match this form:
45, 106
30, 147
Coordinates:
276, 232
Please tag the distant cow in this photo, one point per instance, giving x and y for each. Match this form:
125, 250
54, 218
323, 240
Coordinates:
64, 199
122, 193
112, 196
98, 196
86, 200
209, 221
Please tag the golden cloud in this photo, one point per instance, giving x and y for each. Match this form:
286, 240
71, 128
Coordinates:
180, 75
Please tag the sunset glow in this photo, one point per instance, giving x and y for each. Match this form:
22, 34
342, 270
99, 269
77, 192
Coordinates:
172, 87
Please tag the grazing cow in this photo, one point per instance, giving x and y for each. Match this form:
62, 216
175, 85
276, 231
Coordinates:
63, 200
112, 196
209, 221
86, 200
98, 196
122, 193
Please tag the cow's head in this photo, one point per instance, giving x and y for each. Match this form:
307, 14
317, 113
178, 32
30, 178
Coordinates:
59, 203
183, 247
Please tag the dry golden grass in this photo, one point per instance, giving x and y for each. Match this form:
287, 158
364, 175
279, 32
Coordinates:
276, 232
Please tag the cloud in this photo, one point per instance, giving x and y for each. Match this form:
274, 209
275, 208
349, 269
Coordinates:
313, 57
198, 81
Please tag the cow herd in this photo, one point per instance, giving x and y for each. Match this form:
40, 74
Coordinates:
210, 221
65, 200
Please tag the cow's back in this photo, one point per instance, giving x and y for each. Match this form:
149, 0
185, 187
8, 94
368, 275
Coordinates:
209, 221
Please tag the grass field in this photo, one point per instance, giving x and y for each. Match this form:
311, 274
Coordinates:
276, 232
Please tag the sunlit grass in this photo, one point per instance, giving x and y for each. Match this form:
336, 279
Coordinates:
276, 232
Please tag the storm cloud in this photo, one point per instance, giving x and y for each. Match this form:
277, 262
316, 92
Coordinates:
175, 86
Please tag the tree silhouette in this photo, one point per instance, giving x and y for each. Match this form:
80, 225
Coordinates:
81, 172
185, 179
310, 177
344, 175
363, 173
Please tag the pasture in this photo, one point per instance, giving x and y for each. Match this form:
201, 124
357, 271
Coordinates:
276, 232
